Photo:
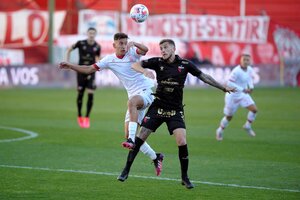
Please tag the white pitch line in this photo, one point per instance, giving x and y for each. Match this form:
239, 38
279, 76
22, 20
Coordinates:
29, 133
149, 177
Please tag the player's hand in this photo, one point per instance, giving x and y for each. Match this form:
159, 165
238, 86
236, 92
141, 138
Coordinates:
130, 44
229, 89
149, 74
64, 65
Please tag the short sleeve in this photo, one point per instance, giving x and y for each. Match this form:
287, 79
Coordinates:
151, 63
76, 45
102, 64
193, 69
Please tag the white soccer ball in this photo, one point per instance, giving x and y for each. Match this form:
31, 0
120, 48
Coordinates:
139, 13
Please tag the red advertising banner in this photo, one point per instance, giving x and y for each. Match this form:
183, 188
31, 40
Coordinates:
27, 27
248, 29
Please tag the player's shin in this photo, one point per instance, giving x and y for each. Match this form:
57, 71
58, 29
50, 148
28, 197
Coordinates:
184, 160
89, 104
250, 118
224, 122
132, 154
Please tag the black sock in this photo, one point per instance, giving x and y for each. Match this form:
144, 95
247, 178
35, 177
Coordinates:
79, 102
184, 160
89, 104
132, 154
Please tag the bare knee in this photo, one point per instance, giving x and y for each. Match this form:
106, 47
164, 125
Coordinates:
181, 141
131, 104
229, 118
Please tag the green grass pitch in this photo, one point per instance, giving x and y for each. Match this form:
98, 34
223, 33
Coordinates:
66, 162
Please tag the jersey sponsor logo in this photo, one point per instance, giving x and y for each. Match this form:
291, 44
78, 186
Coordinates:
146, 118
180, 68
166, 113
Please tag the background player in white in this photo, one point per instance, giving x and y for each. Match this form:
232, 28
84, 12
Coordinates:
137, 85
241, 79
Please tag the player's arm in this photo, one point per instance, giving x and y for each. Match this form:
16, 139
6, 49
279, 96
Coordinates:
250, 85
84, 69
141, 49
138, 67
211, 81
68, 52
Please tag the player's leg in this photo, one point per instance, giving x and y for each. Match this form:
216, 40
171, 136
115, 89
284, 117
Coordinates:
249, 104
134, 104
183, 155
176, 127
150, 123
145, 148
80, 93
139, 140
229, 109
91, 87
136, 108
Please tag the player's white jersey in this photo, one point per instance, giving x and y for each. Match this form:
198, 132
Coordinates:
241, 79
133, 81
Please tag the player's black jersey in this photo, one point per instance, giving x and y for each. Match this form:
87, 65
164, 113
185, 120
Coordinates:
170, 78
87, 52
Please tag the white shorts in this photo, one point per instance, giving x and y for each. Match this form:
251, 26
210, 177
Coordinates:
233, 102
148, 98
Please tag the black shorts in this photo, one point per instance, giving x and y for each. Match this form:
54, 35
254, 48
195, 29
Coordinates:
86, 81
156, 116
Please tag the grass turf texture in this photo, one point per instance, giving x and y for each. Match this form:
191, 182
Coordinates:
269, 160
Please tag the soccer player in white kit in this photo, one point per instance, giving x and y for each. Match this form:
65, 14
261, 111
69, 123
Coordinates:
241, 79
138, 88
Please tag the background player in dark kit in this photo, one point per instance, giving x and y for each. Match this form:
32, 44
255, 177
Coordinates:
89, 52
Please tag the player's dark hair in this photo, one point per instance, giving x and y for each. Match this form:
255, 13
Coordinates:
91, 29
168, 41
119, 36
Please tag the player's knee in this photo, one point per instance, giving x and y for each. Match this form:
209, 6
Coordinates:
181, 141
131, 103
254, 109
229, 118
80, 91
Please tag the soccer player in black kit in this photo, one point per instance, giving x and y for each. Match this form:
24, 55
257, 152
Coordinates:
89, 53
171, 71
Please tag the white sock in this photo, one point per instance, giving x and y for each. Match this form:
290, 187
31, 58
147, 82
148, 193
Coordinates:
132, 130
250, 118
224, 123
148, 151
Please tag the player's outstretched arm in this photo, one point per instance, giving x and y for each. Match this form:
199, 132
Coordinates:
137, 67
78, 68
211, 81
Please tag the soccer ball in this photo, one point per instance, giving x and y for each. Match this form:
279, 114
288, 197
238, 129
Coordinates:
139, 13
